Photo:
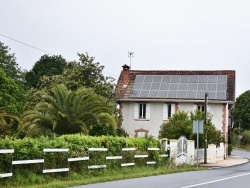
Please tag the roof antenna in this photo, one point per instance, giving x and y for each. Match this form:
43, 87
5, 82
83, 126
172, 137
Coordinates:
130, 54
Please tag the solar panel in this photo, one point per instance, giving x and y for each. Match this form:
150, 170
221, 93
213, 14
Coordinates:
175, 79
153, 94
182, 94
180, 86
191, 94
211, 87
194, 79
203, 79
164, 86
166, 78
172, 94
146, 86
163, 94
222, 78
184, 79
155, 86
157, 78
135, 93
173, 87
139, 78
144, 94
212, 79
202, 87
148, 78
183, 86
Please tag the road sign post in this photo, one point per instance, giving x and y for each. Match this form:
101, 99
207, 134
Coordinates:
198, 127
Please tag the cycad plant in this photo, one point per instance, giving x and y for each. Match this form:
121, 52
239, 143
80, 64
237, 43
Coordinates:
67, 112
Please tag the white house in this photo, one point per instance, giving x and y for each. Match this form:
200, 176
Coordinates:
149, 98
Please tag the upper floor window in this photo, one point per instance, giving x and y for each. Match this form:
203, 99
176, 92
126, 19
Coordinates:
142, 111
201, 108
168, 110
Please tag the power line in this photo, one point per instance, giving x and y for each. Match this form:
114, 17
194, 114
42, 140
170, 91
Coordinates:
26, 44
40, 49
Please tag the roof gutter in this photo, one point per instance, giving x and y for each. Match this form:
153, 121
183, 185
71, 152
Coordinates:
174, 100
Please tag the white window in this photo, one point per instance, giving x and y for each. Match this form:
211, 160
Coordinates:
141, 134
168, 110
201, 108
142, 111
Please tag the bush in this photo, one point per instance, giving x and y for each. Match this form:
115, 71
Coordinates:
32, 148
230, 149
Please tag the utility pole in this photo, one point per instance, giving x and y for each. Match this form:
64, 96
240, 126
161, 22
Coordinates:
130, 54
205, 148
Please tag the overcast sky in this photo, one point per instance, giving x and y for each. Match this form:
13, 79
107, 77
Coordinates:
163, 34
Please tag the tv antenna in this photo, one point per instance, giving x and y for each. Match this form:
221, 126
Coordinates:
130, 54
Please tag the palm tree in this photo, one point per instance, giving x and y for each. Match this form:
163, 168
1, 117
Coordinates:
6, 122
67, 112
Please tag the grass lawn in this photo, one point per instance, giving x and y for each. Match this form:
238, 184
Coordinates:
92, 176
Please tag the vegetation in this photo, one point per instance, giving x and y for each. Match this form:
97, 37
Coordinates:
184, 120
29, 148
45, 66
7, 121
241, 111
9, 65
12, 89
74, 179
67, 112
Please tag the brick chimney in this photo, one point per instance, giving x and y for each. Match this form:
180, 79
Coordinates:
125, 75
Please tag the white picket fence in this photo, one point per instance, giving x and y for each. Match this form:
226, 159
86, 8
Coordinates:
85, 158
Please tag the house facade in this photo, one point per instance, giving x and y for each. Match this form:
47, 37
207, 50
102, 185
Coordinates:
147, 99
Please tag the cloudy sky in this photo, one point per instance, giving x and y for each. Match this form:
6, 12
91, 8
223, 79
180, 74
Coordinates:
163, 34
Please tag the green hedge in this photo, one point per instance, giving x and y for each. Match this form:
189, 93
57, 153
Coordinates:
29, 148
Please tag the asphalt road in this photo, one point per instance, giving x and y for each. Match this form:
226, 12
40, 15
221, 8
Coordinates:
235, 177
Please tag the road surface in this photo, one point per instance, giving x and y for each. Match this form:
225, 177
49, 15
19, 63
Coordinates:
235, 177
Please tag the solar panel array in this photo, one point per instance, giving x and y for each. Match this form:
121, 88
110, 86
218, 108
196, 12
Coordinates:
180, 86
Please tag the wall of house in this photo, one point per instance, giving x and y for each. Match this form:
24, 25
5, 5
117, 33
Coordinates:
151, 127
216, 110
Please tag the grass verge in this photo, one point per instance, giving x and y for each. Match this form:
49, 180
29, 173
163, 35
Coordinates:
92, 176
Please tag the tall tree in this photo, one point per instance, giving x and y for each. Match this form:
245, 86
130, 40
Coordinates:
9, 65
84, 73
68, 112
241, 111
45, 66
11, 71
9, 94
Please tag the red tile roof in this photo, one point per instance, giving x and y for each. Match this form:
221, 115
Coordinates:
123, 92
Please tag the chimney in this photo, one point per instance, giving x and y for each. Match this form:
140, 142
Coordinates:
125, 75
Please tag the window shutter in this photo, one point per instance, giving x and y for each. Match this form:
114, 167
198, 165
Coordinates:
136, 111
195, 107
165, 111
148, 111
172, 109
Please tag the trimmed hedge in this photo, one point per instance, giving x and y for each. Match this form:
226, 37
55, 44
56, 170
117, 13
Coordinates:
32, 148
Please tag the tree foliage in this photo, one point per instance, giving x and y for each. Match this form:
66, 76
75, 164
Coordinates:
67, 112
241, 111
180, 124
84, 73
45, 66
9, 93
9, 65
12, 82
7, 121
